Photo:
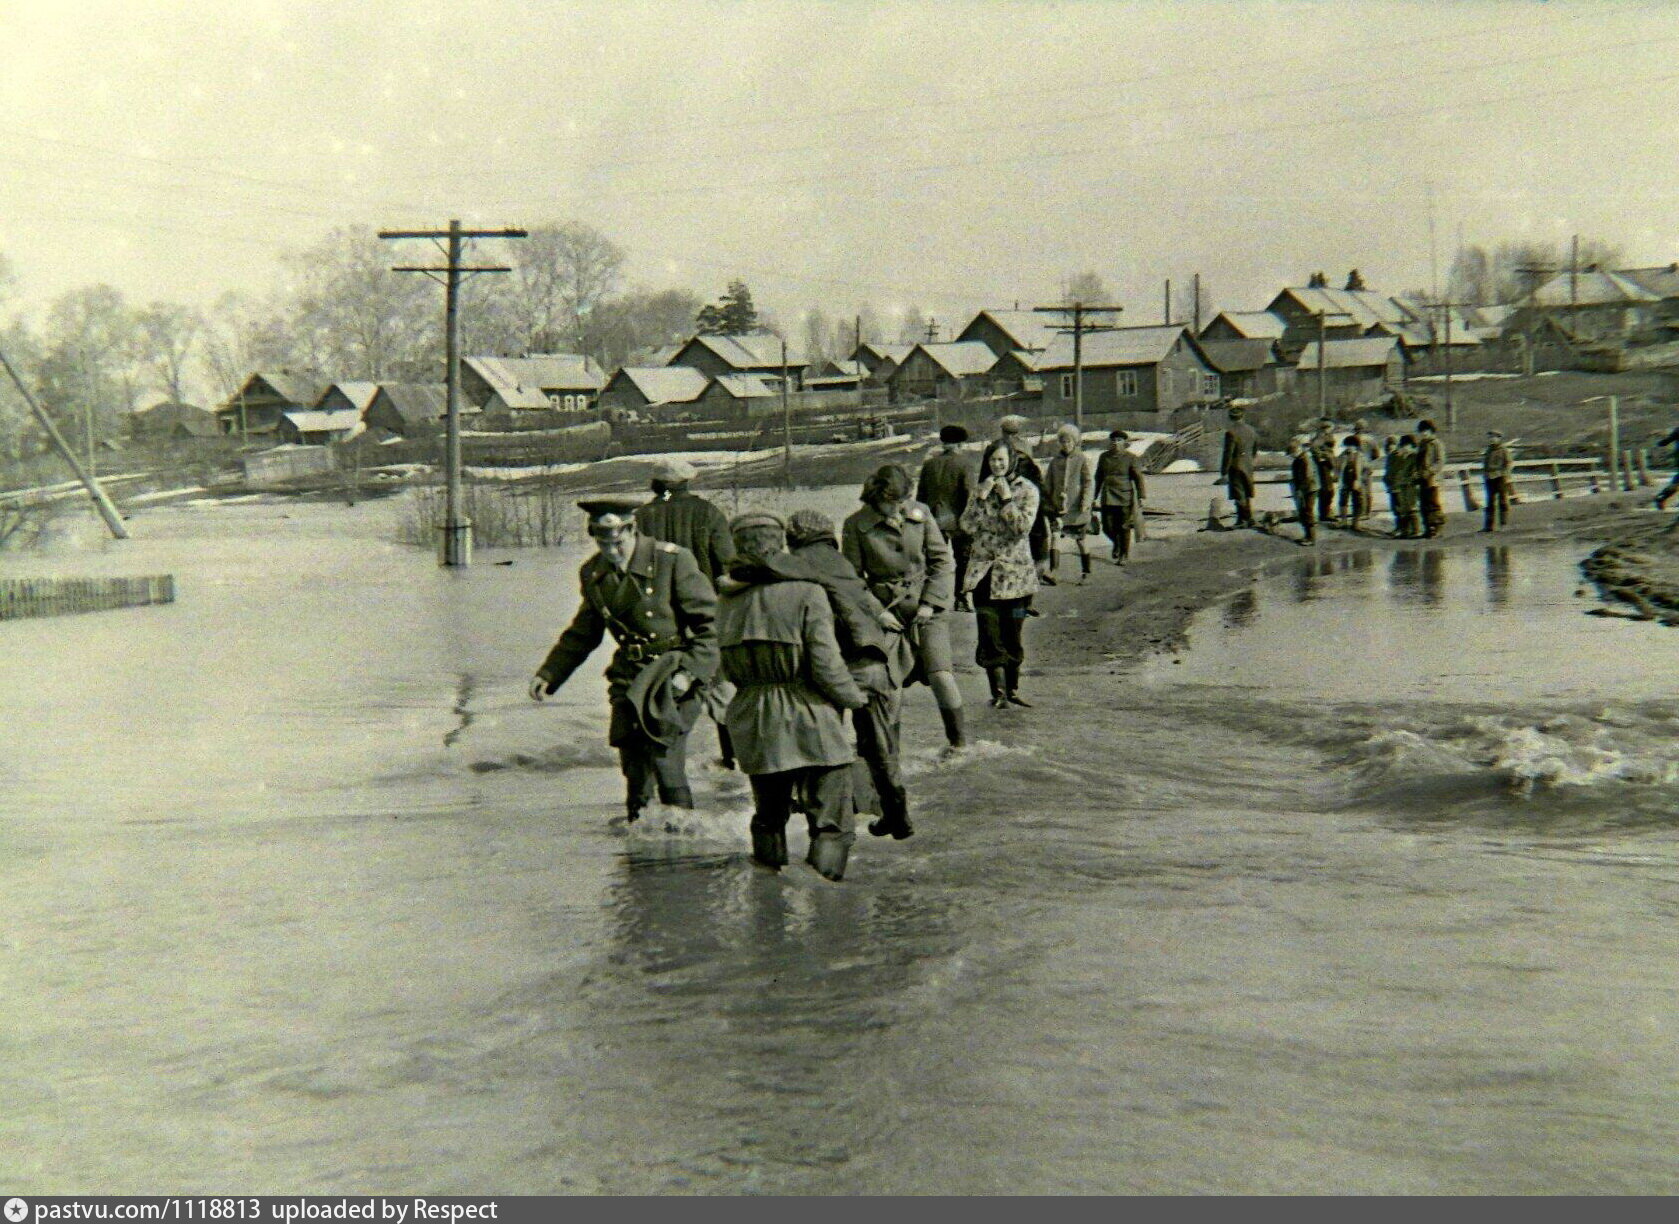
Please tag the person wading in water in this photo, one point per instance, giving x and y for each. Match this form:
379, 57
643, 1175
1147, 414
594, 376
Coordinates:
1001, 573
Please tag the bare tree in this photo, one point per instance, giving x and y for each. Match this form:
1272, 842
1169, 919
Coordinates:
561, 275
1086, 287
87, 369
355, 318
166, 334
242, 336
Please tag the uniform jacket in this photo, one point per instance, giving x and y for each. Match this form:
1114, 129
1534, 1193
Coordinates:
779, 650
1431, 457
1241, 445
1352, 467
692, 523
1496, 463
1069, 488
1000, 547
1303, 474
1322, 447
661, 597
1119, 478
1401, 469
944, 487
905, 566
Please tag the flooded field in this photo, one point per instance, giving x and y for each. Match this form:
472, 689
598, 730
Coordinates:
1374, 890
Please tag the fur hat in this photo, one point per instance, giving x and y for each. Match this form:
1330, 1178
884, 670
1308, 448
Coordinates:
953, 434
808, 526
674, 471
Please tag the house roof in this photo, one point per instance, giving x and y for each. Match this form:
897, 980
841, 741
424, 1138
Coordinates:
746, 386
957, 358
1366, 306
359, 394
313, 420
1349, 354
415, 402
1027, 361
1591, 289
886, 352
1124, 346
1253, 324
751, 351
665, 384
541, 371
1229, 356
519, 397
1026, 329
1662, 281
292, 388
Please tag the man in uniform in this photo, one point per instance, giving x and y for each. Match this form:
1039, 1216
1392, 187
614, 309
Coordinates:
653, 599
1241, 447
1322, 447
1119, 493
944, 487
776, 634
1431, 459
679, 517
1303, 487
1496, 466
895, 546
1068, 488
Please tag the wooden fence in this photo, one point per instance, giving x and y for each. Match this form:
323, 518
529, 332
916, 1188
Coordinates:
21, 597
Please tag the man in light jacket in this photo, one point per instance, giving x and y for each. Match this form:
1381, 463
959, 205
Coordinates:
1069, 487
776, 637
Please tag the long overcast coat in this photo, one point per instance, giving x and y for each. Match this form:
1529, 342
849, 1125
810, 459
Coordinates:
779, 650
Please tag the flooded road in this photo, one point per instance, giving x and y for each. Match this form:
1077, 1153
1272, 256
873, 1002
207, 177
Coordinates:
1374, 891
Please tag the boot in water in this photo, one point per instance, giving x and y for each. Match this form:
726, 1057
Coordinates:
769, 847
999, 693
1012, 685
954, 736
829, 851
894, 818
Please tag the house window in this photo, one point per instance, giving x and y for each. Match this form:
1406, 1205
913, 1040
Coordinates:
1125, 383
1066, 386
1210, 388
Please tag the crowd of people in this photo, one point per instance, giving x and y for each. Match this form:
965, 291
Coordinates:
778, 628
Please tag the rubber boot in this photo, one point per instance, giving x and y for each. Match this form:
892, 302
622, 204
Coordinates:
894, 817
829, 851
953, 733
1084, 566
999, 693
769, 847
1011, 680
678, 797
632, 813
725, 747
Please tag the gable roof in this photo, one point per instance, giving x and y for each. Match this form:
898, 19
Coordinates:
519, 397
1349, 354
746, 386
1025, 329
1591, 289
540, 371
665, 384
957, 358
1124, 346
1253, 324
751, 351
416, 402
292, 388
1229, 356
314, 420
1662, 281
360, 394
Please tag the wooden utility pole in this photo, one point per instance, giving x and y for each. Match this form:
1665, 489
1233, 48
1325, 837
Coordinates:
457, 528
786, 424
101, 501
1166, 305
1323, 331
932, 330
1195, 305
1078, 310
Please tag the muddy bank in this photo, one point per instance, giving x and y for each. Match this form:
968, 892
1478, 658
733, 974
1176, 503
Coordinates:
1638, 569
1146, 607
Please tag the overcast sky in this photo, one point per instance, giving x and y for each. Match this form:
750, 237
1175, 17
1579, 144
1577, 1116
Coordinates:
947, 155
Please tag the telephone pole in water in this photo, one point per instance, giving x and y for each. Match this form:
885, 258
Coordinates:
1078, 310
457, 528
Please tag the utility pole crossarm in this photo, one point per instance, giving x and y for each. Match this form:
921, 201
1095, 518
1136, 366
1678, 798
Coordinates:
500, 233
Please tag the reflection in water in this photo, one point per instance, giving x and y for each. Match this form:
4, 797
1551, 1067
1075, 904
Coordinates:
1402, 575
1498, 574
1433, 576
1242, 609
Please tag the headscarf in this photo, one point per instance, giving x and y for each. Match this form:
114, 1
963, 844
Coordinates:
985, 460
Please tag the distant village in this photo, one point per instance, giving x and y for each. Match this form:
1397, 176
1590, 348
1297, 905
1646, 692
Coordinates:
1342, 345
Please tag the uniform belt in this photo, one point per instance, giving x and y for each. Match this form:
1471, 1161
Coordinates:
638, 650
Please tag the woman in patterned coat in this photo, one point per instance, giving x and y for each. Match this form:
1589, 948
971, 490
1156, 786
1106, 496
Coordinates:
1001, 577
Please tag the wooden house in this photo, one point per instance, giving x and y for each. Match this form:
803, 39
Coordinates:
1129, 369
255, 408
408, 409
170, 420
880, 359
562, 382
1247, 369
638, 389
751, 353
954, 370
1359, 371
313, 427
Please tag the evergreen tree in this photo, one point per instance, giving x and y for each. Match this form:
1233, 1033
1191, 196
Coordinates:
733, 314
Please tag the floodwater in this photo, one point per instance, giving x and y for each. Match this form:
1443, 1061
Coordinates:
1374, 891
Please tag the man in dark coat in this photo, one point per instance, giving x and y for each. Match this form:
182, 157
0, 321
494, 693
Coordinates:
1496, 466
679, 517
1303, 487
1322, 447
1431, 462
653, 599
944, 487
1241, 447
871, 640
776, 635
1119, 493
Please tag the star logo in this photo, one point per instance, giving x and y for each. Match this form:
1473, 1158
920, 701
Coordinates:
17, 1210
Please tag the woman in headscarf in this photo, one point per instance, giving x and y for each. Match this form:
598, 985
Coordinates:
1001, 574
